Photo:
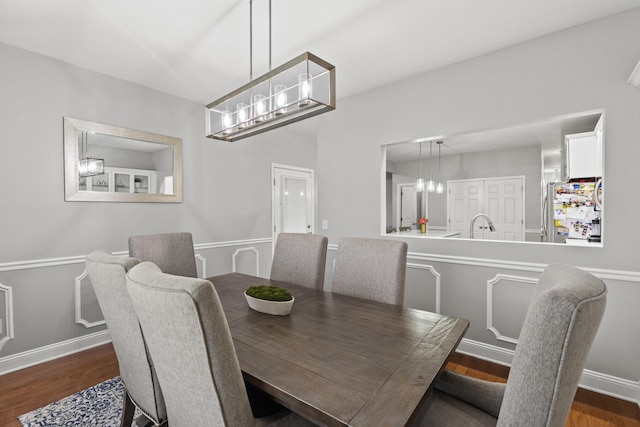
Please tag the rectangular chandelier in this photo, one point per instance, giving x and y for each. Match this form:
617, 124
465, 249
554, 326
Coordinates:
89, 166
301, 88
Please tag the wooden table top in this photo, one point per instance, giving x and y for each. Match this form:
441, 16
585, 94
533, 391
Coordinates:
338, 360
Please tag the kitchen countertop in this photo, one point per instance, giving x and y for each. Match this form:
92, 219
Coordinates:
581, 242
429, 233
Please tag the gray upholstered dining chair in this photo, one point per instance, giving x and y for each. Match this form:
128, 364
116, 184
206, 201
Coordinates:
142, 389
172, 252
561, 322
373, 269
189, 339
299, 258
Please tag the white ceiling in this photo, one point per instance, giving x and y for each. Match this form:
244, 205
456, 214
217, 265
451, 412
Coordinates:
199, 49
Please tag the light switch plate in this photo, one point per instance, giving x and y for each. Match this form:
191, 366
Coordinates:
325, 224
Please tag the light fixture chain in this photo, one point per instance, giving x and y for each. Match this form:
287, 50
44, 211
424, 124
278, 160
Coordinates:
430, 161
420, 158
250, 40
269, 35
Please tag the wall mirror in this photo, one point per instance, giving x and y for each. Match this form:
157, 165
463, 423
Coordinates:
534, 182
113, 164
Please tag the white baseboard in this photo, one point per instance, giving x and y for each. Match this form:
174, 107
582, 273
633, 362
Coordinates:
601, 383
18, 361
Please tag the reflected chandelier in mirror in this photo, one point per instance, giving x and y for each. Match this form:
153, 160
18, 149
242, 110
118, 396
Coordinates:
114, 164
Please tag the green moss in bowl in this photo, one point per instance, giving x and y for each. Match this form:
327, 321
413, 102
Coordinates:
269, 293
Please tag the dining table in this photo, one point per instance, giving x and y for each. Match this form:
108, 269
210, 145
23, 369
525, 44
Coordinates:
339, 360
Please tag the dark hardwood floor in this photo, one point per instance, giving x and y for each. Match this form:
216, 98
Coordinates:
28, 389
31, 388
589, 409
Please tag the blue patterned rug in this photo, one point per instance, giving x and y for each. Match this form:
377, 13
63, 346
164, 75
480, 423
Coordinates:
97, 406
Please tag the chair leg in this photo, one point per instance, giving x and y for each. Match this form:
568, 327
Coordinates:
128, 408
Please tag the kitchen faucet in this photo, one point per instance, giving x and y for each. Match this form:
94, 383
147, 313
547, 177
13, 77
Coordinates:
481, 215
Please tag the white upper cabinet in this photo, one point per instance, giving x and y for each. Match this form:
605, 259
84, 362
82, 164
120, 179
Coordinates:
584, 153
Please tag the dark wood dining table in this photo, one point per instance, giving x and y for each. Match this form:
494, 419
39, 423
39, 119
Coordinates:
339, 360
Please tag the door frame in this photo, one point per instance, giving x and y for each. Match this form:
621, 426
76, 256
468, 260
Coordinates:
278, 166
423, 206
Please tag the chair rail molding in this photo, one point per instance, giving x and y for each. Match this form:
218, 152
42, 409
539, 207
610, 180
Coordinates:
77, 259
7, 334
490, 286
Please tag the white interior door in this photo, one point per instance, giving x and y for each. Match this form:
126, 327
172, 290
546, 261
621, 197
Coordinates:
504, 205
499, 198
292, 200
408, 205
466, 200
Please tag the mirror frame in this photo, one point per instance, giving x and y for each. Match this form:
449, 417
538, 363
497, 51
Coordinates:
71, 179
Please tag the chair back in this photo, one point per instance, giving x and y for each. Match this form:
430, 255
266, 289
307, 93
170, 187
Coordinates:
108, 278
373, 269
561, 323
300, 259
190, 342
172, 252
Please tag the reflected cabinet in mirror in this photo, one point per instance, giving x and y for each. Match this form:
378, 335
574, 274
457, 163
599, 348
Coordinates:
115, 164
535, 182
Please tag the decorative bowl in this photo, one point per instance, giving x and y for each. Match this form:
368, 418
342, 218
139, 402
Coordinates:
278, 308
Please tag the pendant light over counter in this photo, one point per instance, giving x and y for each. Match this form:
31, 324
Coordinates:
420, 182
299, 89
439, 186
431, 185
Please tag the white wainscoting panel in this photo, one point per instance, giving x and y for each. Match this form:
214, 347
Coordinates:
78, 302
203, 263
628, 389
7, 321
243, 250
436, 276
39, 355
78, 294
491, 285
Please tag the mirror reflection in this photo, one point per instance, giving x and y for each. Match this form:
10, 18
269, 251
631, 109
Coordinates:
109, 163
536, 182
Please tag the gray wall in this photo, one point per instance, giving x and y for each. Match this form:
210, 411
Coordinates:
43, 239
581, 69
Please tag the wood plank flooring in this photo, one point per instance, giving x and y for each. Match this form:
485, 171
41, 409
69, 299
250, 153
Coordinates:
31, 388
589, 409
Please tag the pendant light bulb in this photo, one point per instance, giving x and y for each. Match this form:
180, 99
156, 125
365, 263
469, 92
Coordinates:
431, 186
420, 183
439, 187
